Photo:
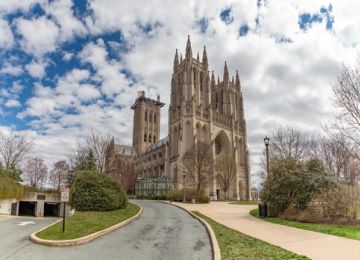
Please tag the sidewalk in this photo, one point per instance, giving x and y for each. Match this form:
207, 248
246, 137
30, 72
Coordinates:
312, 244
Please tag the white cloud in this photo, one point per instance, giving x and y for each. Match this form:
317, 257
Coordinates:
62, 12
40, 35
11, 103
11, 69
88, 92
7, 37
67, 56
36, 69
108, 72
7, 7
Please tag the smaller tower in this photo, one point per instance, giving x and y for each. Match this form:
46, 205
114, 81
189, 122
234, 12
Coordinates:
146, 128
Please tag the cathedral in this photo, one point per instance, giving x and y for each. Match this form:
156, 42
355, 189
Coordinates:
201, 109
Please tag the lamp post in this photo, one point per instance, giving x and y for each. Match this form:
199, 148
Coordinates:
184, 174
266, 142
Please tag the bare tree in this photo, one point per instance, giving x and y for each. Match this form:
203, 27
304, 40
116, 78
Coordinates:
289, 142
334, 155
95, 142
35, 172
59, 174
98, 144
14, 148
124, 172
347, 98
198, 163
77, 156
225, 167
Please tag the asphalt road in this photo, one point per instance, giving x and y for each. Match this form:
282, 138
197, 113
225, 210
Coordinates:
162, 232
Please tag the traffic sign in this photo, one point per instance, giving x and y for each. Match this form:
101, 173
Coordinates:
65, 195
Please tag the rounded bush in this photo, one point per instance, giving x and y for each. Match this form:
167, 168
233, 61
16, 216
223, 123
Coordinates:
92, 191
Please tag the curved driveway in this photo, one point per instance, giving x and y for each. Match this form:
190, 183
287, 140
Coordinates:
162, 232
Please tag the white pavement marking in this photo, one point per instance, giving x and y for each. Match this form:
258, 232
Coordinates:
24, 223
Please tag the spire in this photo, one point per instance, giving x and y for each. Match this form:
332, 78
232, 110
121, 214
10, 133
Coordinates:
198, 58
212, 79
218, 80
232, 80
176, 60
181, 57
188, 48
226, 73
204, 58
237, 81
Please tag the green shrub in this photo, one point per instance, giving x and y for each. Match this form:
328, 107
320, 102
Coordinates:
174, 195
92, 191
291, 182
151, 197
203, 199
190, 194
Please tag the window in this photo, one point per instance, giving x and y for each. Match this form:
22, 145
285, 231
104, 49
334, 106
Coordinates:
145, 138
154, 118
150, 117
154, 139
145, 115
201, 80
217, 146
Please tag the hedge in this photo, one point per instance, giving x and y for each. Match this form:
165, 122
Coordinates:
92, 191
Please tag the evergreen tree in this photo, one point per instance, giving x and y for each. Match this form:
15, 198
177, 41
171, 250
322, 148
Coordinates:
110, 157
90, 162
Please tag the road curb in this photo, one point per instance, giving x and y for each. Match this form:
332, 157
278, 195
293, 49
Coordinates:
81, 240
214, 243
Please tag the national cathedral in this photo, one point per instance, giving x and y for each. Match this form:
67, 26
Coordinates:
201, 109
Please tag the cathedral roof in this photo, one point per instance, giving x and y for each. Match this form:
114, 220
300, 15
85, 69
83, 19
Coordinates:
147, 100
125, 150
156, 145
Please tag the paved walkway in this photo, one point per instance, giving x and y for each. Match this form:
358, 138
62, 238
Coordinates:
312, 244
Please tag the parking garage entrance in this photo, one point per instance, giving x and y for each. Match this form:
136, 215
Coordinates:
27, 208
51, 209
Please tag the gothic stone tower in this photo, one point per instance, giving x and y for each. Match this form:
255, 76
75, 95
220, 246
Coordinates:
146, 128
201, 109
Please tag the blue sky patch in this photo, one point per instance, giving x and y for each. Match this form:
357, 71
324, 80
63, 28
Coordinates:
244, 29
324, 14
226, 16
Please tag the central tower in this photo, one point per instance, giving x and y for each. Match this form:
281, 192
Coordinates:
146, 128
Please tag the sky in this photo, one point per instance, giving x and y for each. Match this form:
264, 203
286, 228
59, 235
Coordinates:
70, 66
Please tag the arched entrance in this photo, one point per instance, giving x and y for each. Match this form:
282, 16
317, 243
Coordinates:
222, 144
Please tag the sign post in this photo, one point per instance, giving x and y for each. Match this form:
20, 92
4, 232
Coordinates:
64, 198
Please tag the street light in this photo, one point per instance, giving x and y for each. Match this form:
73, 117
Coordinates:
184, 174
266, 142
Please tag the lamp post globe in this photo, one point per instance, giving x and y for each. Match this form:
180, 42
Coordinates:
266, 142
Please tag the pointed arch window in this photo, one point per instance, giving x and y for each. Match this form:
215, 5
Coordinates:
146, 115
154, 118
150, 117
201, 81
145, 138
154, 139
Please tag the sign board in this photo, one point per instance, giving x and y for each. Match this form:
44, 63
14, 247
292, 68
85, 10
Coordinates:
40, 197
65, 195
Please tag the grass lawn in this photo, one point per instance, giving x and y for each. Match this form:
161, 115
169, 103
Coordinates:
236, 245
349, 231
86, 222
245, 202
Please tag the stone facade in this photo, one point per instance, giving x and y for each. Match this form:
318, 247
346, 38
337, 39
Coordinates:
201, 109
